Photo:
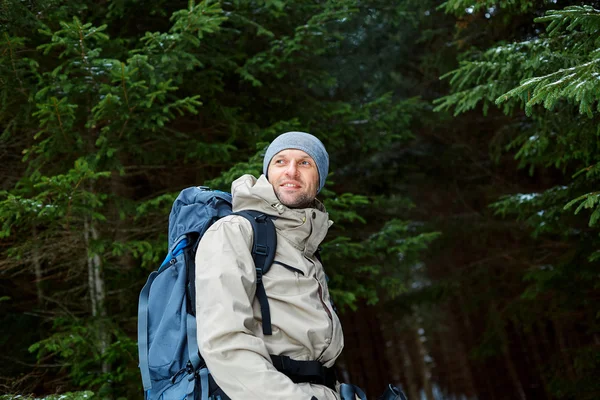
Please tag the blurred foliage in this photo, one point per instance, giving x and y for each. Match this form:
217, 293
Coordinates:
556, 69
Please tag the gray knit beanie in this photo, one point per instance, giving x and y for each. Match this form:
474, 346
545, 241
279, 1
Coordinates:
300, 141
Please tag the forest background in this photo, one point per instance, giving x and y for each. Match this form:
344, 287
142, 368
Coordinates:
464, 143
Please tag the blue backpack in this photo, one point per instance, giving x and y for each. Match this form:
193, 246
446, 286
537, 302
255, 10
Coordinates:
169, 360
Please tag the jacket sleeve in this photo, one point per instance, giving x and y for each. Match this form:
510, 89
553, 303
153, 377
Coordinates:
225, 288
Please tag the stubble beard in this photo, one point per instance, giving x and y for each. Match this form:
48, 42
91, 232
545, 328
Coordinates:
302, 200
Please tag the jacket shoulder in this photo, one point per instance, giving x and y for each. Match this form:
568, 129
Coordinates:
231, 223
231, 231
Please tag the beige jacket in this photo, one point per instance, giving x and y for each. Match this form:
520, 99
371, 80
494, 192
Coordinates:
304, 326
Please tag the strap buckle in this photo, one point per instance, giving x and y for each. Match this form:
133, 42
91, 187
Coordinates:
261, 250
260, 218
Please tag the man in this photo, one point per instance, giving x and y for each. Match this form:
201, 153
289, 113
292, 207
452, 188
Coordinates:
304, 326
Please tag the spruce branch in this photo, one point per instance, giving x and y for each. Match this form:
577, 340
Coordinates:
580, 83
124, 87
465, 7
57, 113
12, 60
586, 17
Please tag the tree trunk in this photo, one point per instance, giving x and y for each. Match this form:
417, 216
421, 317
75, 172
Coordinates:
468, 382
420, 360
508, 361
537, 359
563, 350
512, 371
37, 267
409, 373
97, 291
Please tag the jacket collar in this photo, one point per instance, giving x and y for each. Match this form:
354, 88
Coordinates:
305, 228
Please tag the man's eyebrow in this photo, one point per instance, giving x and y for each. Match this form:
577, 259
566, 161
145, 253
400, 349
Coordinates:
302, 157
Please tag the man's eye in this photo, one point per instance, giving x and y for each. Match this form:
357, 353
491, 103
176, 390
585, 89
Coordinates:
305, 163
278, 161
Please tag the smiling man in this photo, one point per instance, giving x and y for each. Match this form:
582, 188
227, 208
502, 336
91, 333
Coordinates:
295, 361
296, 164
294, 177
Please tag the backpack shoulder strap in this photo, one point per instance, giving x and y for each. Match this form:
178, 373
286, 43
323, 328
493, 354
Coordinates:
190, 266
263, 253
190, 289
143, 332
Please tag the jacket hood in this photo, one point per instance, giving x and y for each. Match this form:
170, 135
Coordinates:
305, 228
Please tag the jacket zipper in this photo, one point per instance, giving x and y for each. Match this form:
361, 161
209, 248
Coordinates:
289, 267
323, 301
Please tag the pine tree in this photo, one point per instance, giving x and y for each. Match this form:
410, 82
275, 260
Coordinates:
552, 76
112, 122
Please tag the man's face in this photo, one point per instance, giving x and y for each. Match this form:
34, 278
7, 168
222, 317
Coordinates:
295, 178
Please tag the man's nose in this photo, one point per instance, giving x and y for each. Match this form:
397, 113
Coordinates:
292, 169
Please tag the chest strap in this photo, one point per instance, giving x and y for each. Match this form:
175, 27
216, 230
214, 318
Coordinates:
305, 371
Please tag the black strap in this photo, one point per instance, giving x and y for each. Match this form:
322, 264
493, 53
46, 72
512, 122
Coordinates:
263, 253
190, 267
305, 371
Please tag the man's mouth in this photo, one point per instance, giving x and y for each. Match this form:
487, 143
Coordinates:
290, 185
